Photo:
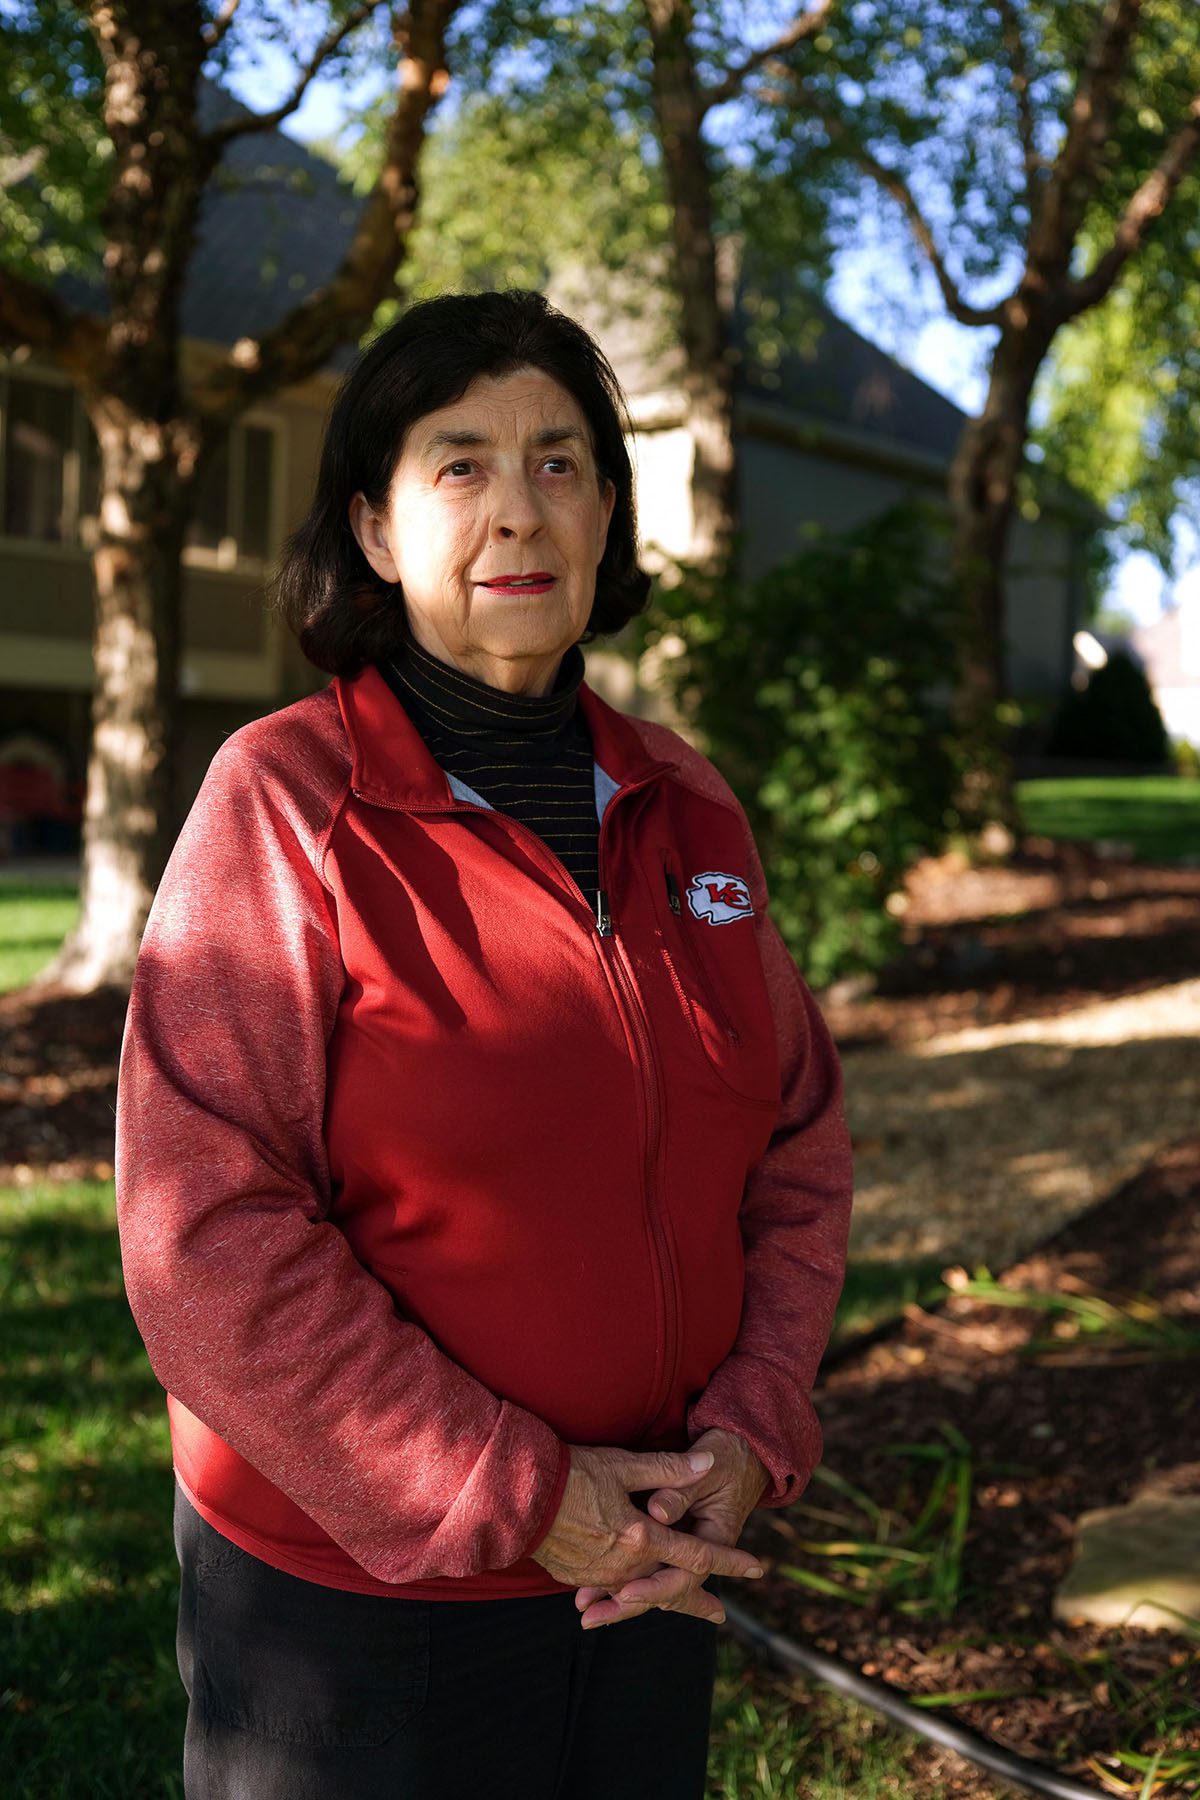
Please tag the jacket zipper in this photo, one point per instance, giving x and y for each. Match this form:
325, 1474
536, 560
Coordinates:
621, 981
661, 1236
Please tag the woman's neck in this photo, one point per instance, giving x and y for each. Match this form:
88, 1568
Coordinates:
460, 700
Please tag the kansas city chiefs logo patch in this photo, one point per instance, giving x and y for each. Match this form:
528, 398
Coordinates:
718, 898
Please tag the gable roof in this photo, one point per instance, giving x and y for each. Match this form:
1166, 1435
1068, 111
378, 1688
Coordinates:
838, 379
846, 380
274, 223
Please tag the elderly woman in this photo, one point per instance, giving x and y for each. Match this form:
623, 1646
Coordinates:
482, 1178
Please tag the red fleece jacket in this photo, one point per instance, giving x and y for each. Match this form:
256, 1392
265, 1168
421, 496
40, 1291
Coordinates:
428, 1166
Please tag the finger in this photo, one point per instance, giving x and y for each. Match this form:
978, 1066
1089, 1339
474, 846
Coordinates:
665, 1584
609, 1612
688, 1599
667, 1506
584, 1596
639, 1470
699, 1556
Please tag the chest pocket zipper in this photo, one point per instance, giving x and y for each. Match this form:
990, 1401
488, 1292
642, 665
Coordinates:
742, 1060
694, 962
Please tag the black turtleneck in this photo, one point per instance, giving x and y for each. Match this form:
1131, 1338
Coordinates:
526, 754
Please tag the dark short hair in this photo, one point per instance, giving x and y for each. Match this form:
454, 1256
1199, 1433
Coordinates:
341, 612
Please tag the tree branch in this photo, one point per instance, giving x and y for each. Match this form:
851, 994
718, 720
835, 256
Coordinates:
221, 134
1150, 199
1064, 197
1018, 62
33, 316
804, 25
303, 341
212, 34
893, 183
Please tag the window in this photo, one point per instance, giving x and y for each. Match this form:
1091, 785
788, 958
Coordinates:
50, 478
231, 519
41, 461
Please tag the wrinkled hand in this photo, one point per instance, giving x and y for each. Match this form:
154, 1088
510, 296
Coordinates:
717, 1505
599, 1536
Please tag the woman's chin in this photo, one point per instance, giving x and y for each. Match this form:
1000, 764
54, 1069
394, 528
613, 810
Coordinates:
524, 644
519, 668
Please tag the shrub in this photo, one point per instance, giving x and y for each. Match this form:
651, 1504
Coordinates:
822, 691
1114, 718
1186, 757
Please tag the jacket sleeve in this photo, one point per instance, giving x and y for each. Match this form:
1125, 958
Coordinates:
795, 1216
255, 1312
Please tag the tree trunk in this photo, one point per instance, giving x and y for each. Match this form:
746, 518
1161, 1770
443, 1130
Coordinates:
129, 812
708, 368
153, 54
982, 487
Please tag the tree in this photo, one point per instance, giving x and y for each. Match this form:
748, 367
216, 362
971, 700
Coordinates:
1033, 145
1120, 396
127, 74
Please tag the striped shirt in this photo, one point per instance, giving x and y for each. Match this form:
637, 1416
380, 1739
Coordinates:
529, 755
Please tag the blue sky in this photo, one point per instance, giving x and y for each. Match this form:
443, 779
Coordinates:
872, 290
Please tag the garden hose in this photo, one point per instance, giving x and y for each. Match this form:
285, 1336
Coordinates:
1022, 1771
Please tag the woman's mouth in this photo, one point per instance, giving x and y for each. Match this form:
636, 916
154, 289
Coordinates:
537, 583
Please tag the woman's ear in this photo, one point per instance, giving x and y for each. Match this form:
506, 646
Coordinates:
608, 500
367, 527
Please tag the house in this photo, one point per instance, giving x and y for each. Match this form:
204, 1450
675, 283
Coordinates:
1169, 652
835, 434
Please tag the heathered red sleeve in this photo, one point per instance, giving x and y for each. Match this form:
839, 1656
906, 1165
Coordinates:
795, 1216
254, 1310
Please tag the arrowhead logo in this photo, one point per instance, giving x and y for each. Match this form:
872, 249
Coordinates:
718, 898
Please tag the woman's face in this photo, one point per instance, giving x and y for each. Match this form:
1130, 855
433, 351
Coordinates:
501, 483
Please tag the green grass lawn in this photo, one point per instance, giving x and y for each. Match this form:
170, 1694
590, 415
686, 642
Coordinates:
1159, 815
34, 919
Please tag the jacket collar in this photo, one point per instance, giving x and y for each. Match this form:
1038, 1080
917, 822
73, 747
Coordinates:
392, 766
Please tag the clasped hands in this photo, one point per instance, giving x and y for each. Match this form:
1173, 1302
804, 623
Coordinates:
624, 1561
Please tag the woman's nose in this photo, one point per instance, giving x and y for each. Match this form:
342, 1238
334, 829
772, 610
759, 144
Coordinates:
516, 509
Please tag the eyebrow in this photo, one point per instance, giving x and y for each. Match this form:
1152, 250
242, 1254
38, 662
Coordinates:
457, 440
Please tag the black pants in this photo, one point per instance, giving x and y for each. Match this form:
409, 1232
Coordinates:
302, 1692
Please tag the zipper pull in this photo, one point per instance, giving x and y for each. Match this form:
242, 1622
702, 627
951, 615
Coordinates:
672, 893
604, 924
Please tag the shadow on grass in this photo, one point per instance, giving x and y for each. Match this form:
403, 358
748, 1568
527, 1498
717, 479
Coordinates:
92, 1703
94, 1707
90, 1699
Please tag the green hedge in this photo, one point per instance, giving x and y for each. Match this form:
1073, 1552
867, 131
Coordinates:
821, 689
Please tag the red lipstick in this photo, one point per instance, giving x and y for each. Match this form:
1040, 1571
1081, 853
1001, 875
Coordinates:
539, 581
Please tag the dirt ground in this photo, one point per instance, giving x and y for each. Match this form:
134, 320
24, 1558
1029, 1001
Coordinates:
1056, 928
1052, 1434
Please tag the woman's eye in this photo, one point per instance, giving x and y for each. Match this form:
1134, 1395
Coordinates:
564, 460
451, 467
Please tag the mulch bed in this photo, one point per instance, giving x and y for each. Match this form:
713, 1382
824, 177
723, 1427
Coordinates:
1052, 1437
1055, 927
58, 1083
